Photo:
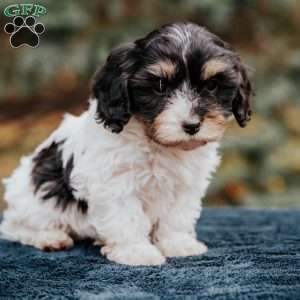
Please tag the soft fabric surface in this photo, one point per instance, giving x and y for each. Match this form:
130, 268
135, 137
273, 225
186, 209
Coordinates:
253, 254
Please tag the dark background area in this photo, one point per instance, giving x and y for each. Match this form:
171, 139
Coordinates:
261, 164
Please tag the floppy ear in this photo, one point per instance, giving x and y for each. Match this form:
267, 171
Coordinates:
109, 87
241, 103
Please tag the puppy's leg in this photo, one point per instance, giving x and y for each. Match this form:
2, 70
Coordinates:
124, 228
175, 234
44, 239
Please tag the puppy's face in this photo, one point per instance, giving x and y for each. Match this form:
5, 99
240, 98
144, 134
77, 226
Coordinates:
182, 83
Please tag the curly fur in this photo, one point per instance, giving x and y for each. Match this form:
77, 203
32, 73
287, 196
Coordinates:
169, 97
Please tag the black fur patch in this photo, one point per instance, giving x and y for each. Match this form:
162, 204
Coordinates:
49, 175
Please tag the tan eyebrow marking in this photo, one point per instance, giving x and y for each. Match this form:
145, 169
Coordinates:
213, 67
163, 68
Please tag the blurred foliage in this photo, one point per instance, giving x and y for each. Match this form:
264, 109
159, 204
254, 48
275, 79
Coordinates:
261, 164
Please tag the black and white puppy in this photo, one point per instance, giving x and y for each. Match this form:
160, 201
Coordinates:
168, 97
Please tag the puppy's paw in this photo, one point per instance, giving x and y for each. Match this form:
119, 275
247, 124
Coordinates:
139, 254
181, 245
54, 241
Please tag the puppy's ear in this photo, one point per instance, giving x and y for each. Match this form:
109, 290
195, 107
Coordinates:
241, 103
110, 88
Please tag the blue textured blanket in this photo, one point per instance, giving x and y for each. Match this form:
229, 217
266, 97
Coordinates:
253, 254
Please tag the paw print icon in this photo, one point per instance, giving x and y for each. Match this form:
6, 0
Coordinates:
24, 32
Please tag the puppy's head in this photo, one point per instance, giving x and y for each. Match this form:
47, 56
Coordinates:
181, 81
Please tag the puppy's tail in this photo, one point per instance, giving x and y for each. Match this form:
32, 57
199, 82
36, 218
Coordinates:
5, 234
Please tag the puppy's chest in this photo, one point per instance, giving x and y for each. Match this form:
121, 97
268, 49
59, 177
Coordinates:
160, 175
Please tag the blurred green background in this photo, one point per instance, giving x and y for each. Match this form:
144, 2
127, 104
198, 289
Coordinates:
261, 164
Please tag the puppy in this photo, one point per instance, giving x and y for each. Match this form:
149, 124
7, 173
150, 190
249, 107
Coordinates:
130, 172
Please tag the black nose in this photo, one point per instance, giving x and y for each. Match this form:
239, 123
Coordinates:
191, 128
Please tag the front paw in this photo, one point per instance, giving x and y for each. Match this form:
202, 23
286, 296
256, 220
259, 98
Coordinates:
181, 245
138, 254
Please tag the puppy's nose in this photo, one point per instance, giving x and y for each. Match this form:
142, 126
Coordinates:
191, 128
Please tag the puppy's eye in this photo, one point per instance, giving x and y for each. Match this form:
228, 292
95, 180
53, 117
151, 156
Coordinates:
160, 86
211, 85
